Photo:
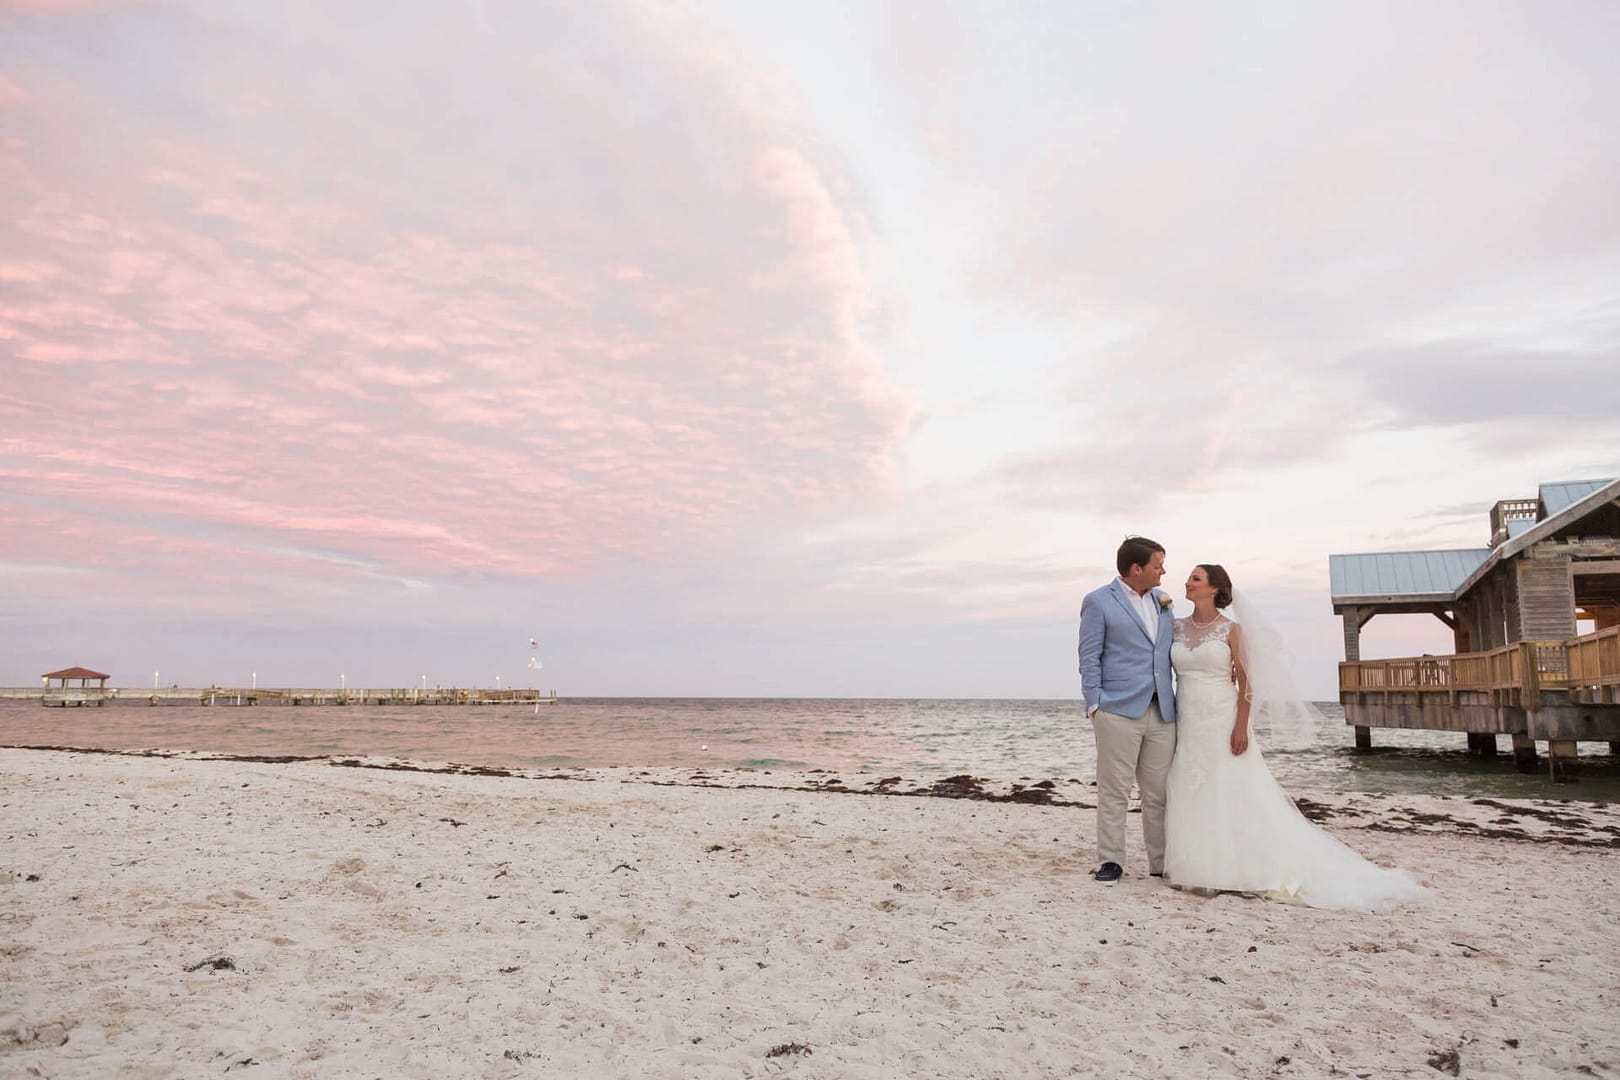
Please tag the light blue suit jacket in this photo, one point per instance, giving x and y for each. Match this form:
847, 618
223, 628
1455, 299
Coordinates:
1121, 668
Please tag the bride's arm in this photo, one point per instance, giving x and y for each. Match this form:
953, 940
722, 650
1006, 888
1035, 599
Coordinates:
1240, 729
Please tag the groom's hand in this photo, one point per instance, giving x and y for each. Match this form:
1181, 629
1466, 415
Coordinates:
1240, 740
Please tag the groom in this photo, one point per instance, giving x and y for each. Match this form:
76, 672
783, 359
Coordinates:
1125, 630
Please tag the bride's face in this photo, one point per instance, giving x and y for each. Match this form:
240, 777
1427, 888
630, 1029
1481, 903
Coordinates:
1198, 585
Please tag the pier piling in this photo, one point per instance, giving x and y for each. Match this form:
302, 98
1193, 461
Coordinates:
1562, 762
1524, 753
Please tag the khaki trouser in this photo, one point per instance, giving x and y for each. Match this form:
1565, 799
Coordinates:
1126, 748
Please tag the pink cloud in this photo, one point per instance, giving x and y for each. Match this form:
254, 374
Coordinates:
542, 340
57, 7
27, 273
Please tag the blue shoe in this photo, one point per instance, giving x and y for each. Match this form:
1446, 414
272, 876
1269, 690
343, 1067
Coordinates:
1108, 873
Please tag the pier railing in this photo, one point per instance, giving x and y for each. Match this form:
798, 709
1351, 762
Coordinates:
1588, 667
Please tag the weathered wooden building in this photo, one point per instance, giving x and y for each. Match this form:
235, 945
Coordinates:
1520, 667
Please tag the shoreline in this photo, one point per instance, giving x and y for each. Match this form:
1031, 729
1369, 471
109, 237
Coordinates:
1557, 821
920, 741
171, 914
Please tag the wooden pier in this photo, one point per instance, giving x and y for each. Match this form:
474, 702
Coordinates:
1520, 669
235, 696
222, 697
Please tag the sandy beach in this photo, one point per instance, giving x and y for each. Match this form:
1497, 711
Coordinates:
172, 916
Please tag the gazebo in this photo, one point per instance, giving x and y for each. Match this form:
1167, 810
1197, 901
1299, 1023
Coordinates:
71, 686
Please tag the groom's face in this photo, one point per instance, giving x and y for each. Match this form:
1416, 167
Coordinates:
1148, 577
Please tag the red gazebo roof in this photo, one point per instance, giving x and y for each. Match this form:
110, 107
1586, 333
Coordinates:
75, 673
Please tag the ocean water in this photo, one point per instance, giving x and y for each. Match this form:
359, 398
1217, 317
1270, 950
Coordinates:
913, 739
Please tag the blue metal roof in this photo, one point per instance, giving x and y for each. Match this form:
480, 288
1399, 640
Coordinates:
1440, 575
1561, 496
1412, 574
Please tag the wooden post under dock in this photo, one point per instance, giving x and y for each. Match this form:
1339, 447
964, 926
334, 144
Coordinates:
1521, 666
1561, 756
1524, 753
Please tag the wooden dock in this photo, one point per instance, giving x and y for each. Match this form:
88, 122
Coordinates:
1559, 692
1521, 668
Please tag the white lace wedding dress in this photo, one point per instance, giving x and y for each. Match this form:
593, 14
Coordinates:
1228, 824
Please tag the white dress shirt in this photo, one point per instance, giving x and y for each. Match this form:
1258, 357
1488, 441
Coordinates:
1147, 609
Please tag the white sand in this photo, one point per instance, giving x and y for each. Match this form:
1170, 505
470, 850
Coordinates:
406, 924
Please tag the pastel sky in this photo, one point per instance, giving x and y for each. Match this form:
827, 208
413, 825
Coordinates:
743, 348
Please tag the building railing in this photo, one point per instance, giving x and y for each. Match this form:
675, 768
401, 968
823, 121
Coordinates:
1587, 666
1594, 659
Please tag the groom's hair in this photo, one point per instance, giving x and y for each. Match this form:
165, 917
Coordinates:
1222, 581
1135, 551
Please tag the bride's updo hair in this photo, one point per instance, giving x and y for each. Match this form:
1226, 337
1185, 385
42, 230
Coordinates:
1222, 581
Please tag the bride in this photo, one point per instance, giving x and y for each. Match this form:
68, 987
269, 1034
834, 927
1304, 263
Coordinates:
1229, 826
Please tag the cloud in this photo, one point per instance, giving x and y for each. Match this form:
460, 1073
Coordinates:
58, 7
1330, 168
1259, 239
312, 288
1482, 384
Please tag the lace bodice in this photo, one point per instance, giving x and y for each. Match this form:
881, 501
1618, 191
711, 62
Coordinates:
1193, 637
1193, 634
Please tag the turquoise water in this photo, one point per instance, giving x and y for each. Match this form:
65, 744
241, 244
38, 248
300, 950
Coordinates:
914, 739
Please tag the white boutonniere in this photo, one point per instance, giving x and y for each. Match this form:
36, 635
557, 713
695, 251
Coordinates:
1165, 603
